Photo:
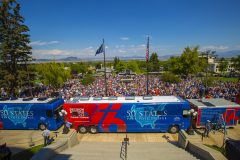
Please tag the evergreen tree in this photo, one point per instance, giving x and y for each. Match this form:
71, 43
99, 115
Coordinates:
115, 62
15, 51
154, 63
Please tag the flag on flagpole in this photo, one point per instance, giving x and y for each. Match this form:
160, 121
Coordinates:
147, 52
100, 49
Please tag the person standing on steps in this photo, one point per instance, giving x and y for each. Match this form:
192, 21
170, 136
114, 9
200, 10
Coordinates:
208, 128
46, 135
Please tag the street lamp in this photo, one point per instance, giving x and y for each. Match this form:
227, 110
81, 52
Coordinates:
193, 114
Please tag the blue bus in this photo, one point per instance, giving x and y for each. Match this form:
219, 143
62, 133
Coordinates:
31, 114
128, 114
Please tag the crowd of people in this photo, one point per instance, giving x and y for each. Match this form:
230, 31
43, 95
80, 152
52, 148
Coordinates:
136, 86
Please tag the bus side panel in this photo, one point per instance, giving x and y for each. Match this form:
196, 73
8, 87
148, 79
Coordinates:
17, 116
229, 115
128, 117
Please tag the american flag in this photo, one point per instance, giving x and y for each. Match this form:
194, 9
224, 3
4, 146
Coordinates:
147, 52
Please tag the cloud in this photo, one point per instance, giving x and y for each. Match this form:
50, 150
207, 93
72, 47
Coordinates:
121, 51
213, 47
124, 38
42, 43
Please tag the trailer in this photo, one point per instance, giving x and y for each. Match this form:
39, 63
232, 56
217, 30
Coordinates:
31, 114
214, 109
128, 114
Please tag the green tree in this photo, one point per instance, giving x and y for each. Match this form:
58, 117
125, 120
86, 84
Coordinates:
174, 65
154, 63
79, 68
53, 74
88, 79
236, 63
190, 61
15, 52
223, 65
169, 77
120, 67
133, 66
115, 62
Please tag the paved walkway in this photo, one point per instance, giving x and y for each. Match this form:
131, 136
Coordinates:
136, 151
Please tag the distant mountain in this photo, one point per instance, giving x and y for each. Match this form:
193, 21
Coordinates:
69, 59
228, 54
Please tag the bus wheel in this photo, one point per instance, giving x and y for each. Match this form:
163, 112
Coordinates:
173, 129
42, 126
93, 130
82, 129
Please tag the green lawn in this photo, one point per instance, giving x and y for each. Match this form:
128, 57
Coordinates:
27, 154
226, 79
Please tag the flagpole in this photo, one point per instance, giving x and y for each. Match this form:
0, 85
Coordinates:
147, 62
105, 76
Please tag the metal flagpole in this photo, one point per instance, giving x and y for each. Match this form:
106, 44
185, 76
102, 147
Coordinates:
105, 76
147, 56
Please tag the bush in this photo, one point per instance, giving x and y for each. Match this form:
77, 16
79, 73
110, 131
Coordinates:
169, 77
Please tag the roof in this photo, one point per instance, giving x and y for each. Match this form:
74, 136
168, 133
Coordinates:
213, 102
34, 100
130, 99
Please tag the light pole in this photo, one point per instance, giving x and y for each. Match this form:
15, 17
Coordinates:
192, 114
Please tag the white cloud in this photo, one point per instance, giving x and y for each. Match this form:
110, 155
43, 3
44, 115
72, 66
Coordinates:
124, 38
214, 47
121, 51
42, 43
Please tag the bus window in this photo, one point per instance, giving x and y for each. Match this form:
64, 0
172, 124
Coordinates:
185, 113
49, 113
56, 112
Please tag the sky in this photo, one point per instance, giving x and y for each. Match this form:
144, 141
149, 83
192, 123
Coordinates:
63, 28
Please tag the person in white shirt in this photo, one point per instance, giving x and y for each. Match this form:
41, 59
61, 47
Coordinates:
46, 135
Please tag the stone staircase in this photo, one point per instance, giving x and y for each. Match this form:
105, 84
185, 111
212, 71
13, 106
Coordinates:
136, 151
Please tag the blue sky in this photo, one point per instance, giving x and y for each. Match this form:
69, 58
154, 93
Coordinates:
62, 28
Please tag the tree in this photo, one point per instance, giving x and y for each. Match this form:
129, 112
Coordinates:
133, 66
15, 52
154, 63
79, 68
115, 62
189, 60
174, 65
236, 63
53, 74
223, 65
120, 67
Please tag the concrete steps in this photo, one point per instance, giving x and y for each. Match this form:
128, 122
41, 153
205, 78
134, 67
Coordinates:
136, 151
